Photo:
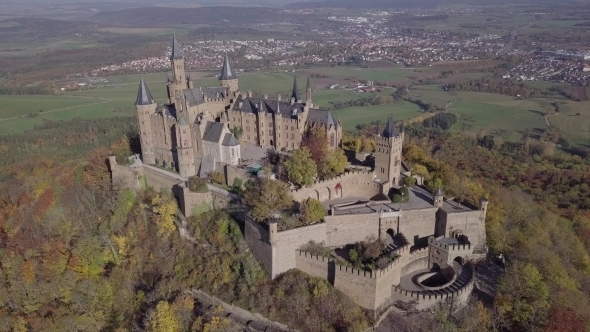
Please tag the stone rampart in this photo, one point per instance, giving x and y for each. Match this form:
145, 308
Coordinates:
288, 242
352, 184
159, 180
419, 224
346, 229
241, 315
257, 238
123, 175
316, 266
190, 200
359, 285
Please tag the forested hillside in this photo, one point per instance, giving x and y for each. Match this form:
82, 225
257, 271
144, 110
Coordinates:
79, 255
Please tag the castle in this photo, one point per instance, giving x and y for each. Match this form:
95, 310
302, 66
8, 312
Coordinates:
431, 240
194, 133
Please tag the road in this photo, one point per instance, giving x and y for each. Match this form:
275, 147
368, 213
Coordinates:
510, 43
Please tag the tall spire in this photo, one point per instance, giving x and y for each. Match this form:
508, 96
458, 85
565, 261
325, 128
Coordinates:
226, 72
144, 97
279, 104
389, 130
176, 52
295, 93
308, 87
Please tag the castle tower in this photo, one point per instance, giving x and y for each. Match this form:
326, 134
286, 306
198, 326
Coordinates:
179, 79
308, 101
228, 77
295, 92
146, 107
388, 155
184, 149
438, 198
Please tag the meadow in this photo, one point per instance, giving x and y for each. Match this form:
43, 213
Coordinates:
479, 112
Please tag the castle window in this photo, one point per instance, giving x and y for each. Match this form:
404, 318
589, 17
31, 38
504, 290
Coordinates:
286, 127
261, 124
232, 152
332, 139
292, 136
247, 121
292, 128
293, 145
270, 132
248, 136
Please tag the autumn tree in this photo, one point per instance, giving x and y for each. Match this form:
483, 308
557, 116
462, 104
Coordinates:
522, 296
267, 198
334, 163
312, 210
301, 168
316, 140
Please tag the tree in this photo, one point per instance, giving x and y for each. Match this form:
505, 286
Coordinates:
523, 296
301, 169
217, 177
334, 164
267, 198
164, 319
237, 131
368, 145
316, 141
312, 210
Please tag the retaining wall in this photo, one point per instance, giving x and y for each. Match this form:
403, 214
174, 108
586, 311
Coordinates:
189, 200
316, 266
288, 242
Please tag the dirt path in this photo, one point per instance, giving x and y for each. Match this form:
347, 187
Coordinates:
104, 101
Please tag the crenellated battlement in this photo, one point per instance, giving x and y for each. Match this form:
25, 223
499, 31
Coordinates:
316, 257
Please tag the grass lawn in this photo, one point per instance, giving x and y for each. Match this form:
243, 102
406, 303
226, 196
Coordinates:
355, 115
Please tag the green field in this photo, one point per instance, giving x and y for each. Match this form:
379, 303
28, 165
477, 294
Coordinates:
395, 73
480, 112
352, 116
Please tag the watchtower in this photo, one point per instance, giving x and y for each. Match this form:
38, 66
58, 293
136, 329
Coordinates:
388, 155
228, 77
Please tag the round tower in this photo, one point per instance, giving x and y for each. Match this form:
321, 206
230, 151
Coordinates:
438, 198
146, 107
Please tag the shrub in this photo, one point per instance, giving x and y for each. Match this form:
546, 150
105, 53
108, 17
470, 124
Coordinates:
409, 181
312, 210
197, 184
217, 177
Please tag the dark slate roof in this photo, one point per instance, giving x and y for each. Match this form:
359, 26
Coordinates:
295, 92
166, 110
252, 105
389, 130
226, 72
176, 52
213, 132
215, 92
322, 117
438, 192
144, 97
193, 96
230, 140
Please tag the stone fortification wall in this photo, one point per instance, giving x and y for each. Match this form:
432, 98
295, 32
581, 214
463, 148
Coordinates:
419, 224
253, 320
316, 266
159, 180
257, 238
354, 184
346, 229
124, 176
189, 200
417, 260
359, 285
469, 223
425, 301
288, 242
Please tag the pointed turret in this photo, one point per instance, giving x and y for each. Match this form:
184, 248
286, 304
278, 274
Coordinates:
389, 130
295, 92
261, 106
226, 72
331, 121
438, 198
176, 52
279, 104
308, 87
308, 92
144, 97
